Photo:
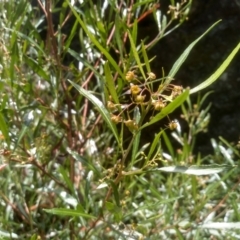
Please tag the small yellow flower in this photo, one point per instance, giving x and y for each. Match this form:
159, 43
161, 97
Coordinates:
130, 76
158, 105
173, 125
135, 89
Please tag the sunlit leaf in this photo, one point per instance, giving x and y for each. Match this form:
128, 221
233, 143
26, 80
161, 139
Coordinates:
66, 179
8, 235
196, 170
221, 225
102, 185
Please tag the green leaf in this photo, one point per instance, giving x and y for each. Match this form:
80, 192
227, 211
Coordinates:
34, 237
66, 179
134, 31
115, 193
133, 35
137, 135
185, 54
110, 206
68, 212
4, 128
19, 13
21, 134
117, 35
135, 54
71, 36
14, 56
168, 109
154, 144
100, 107
110, 83
145, 57
196, 170
218, 72
168, 144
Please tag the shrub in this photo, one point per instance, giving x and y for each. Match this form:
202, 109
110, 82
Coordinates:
73, 163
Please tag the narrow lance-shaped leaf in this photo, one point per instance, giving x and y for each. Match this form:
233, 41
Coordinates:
135, 54
221, 225
135, 147
117, 35
154, 144
196, 170
145, 57
110, 83
66, 179
4, 128
218, 73
116, 194
68, 212
100, 107
185, 54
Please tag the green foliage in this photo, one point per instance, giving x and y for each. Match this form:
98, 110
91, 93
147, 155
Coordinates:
73, 161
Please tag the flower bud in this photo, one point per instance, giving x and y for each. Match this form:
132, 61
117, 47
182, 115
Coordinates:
139, 98
152, 76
